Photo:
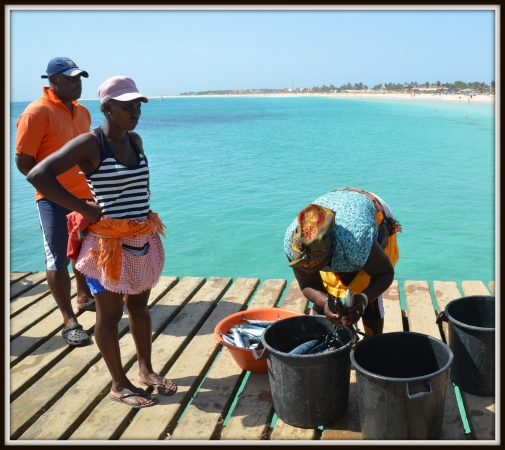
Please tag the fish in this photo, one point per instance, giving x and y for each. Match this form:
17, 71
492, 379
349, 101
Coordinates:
259, 323
239, 341
336, 305
251, 329
227, 339
245, 339
252, 338
318, 348
304, 348
349, 298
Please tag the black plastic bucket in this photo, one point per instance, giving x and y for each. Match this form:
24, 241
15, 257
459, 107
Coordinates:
307, 390
402, 381
472, 340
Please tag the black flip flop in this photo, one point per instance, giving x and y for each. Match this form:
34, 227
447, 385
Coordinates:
133, 394
90, 306
74, 335
163, 385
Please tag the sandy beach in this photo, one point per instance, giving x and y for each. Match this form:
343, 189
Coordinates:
479, 98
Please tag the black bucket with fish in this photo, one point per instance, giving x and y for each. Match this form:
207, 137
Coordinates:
308, 390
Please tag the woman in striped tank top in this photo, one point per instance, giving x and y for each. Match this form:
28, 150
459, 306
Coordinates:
121, 255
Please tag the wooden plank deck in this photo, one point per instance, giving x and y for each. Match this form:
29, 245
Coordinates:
61, 393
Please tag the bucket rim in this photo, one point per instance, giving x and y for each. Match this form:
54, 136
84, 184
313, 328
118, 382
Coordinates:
465, 325
360, 369
315, 355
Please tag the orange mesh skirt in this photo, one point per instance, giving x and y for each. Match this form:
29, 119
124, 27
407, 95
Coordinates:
138, 273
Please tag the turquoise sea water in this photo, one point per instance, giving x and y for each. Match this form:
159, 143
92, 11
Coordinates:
228, 175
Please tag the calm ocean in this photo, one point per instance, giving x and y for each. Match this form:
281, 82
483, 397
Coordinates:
228, 175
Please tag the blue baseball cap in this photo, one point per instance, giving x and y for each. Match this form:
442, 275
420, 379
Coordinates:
65, 66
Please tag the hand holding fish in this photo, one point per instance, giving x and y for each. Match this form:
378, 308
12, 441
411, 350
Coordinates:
344, 314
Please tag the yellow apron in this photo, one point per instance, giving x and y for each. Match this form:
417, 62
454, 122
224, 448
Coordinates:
336, 287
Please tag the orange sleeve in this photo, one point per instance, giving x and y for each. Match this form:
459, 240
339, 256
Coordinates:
31, 129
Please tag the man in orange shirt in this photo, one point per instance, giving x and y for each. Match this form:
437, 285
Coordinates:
44, 127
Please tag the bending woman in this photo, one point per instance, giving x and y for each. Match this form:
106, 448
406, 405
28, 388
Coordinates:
121, 255
345, 239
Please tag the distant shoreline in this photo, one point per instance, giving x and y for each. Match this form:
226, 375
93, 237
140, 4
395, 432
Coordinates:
479, 98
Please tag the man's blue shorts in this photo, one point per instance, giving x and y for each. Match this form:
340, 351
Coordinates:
53, 223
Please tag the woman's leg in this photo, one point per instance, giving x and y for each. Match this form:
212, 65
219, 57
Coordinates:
109, 310
140, 326
373, 327
373, 317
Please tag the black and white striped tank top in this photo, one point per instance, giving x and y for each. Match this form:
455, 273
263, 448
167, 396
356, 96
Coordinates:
120, 190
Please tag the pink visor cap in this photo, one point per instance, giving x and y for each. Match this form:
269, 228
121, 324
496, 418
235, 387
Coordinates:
119, 88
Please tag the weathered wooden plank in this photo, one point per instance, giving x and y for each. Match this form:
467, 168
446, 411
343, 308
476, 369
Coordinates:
268, 294
254, 407
214, 397
71, 403
28, 407
16, 276
26, 283
491, 287
452, 425
58, 422
420, 312
253, 411
37, 334
107, 417
29, 298
481, 415
480, 410
422, 319
36, 312
294, 299
474, 287
45, 356
151, 423
215, 394
349, 425
392, 309
284, 431
445, 291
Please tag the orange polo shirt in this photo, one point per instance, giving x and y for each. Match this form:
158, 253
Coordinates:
45, 126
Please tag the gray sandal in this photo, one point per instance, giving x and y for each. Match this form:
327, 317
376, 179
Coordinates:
74, 335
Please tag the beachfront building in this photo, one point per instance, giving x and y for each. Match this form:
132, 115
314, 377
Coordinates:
430, 90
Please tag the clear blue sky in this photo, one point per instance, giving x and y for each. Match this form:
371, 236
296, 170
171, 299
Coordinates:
173, 51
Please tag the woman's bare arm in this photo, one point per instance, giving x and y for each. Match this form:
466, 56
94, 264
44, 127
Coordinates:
82, 151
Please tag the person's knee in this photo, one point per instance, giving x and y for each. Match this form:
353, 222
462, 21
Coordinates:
137, 304
109, 308
110, 317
